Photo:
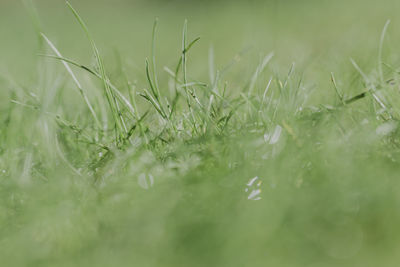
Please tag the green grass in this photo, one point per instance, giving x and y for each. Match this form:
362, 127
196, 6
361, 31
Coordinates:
141, 149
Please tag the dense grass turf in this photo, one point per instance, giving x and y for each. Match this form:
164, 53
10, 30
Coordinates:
273, 140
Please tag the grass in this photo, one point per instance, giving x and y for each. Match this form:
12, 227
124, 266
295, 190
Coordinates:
249, 161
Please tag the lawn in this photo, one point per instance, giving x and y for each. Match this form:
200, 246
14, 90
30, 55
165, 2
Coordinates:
199, 133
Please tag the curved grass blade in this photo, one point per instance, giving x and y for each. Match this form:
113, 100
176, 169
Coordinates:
119, 95
116, 112
77, 83
380, 51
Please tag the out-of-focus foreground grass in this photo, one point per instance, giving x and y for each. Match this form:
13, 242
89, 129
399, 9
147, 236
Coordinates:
318, 130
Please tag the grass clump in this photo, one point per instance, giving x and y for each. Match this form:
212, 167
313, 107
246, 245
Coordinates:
251, 169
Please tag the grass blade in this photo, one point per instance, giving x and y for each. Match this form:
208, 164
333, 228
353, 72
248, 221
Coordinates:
116, 112
77, 83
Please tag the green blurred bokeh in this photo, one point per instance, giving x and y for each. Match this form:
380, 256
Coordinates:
315, 34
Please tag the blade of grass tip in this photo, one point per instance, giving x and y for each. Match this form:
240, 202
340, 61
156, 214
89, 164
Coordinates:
336, 88
130, 86
215, 82
224, 90
189, 84
184, 51
153, 56
289, 75
116, 113
184, 40
266, 90
34, 16
70, 61
138, 116
155, 95
77, 83
258, 71
269, 102
150, 80
297, 89
184, 70
211, 64
380, 51
191, 44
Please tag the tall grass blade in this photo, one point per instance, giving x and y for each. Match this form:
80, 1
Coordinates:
116, 112
380, 62
77, 83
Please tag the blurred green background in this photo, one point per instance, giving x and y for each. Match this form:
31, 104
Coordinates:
317, 35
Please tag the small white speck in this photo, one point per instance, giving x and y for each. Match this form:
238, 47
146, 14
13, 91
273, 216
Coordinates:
251, 182
386, 128
254, 195
151, 178
253, 186
364, 121
145, 181
142, 181
273, 138
276, 135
